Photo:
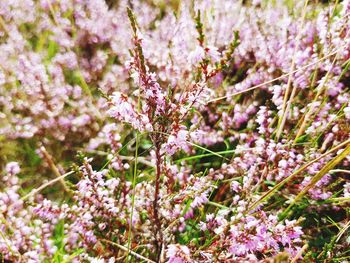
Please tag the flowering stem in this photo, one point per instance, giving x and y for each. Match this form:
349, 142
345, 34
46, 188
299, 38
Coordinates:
199, 27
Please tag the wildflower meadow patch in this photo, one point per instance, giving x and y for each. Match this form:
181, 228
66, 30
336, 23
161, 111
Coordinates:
174, 131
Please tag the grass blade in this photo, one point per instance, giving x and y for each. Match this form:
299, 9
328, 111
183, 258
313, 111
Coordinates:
270, 193
330, 165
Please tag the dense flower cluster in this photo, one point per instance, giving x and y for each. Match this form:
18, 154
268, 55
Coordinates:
174, 131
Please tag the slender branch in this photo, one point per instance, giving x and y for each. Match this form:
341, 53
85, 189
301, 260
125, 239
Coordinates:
286, 103
37, 190
128, 250
53, 167
300, 253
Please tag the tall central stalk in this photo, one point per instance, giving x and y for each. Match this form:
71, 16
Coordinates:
158, 226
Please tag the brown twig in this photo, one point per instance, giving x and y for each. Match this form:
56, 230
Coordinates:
53, 167
128, 250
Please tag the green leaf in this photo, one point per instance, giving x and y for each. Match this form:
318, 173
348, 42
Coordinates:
52, 49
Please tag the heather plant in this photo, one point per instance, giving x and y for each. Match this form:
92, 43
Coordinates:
174, 131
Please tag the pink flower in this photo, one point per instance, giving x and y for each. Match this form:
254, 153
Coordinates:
347, 112
213, 53
197, 55
178, 254
176, 141
12, 168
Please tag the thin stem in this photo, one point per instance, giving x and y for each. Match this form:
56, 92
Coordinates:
133, 194
285, 108
300, 253
158, 232
128, 250
37, 190
53, 167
